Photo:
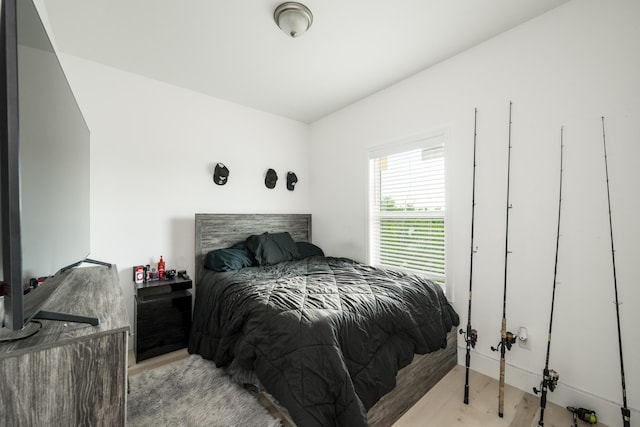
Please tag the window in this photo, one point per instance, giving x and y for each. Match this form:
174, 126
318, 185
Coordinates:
407, 207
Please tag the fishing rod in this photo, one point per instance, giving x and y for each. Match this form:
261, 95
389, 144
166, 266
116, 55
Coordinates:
471, 335
549, 376
506, 338
626, 413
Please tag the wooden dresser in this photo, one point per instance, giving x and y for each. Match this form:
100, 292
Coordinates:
68, 373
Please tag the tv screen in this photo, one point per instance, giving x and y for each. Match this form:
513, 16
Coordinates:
45, 165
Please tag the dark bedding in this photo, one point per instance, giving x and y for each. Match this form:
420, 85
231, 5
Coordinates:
325, 336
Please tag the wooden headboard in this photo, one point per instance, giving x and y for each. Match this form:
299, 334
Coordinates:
216, 231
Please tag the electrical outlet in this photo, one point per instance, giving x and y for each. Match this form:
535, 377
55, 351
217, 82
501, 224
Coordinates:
524, 340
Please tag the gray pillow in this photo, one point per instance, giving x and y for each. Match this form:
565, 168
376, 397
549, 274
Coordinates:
228, 259
307, 249
272, 248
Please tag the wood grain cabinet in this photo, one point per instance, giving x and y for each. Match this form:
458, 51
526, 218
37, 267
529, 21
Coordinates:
71, 374
163, 317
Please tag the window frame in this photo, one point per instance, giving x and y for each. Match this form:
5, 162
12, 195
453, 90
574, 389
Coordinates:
419, 141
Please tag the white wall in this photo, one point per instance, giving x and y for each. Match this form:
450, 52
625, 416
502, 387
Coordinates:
566, 68
153, 151
154, 146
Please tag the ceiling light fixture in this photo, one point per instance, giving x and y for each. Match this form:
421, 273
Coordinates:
293, 18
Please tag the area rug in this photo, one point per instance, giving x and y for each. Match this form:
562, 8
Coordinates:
192, 392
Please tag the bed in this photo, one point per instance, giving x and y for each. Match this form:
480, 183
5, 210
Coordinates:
316, 330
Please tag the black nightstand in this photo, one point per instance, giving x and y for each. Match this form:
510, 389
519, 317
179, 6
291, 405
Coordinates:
163, 317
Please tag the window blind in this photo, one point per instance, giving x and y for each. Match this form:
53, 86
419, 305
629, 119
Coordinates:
407, 212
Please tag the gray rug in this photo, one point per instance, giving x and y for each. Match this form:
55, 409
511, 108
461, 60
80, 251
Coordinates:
192, 392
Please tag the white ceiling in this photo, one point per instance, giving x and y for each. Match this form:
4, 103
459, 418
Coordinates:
233, 50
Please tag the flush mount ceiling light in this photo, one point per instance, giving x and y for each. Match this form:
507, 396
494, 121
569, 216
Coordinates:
293, 18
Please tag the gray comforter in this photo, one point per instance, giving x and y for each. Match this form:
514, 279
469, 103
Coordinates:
325, 336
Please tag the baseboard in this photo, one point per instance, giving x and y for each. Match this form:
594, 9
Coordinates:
154, 362
564, 395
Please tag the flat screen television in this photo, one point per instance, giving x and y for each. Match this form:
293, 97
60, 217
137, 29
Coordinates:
44, 168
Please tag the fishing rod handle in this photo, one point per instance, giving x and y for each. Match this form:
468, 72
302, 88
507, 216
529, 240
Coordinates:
543, 405
503, 333
501, 389
626, 417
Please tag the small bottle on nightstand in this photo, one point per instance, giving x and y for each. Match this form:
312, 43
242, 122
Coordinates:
161, 275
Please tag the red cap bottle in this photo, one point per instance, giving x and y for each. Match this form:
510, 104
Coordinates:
161, 274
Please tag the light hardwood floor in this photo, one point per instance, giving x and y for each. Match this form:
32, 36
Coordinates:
442, 406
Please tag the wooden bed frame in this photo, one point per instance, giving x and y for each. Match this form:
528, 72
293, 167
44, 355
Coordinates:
215, 231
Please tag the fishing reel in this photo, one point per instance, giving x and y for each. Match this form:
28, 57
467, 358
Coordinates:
470, 336
550, 379
508, 341
586, 415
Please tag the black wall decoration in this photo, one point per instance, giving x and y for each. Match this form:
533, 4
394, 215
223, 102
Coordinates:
292, 179
221, 174
270, 178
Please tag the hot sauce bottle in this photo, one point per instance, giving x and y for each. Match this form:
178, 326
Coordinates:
161, 274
